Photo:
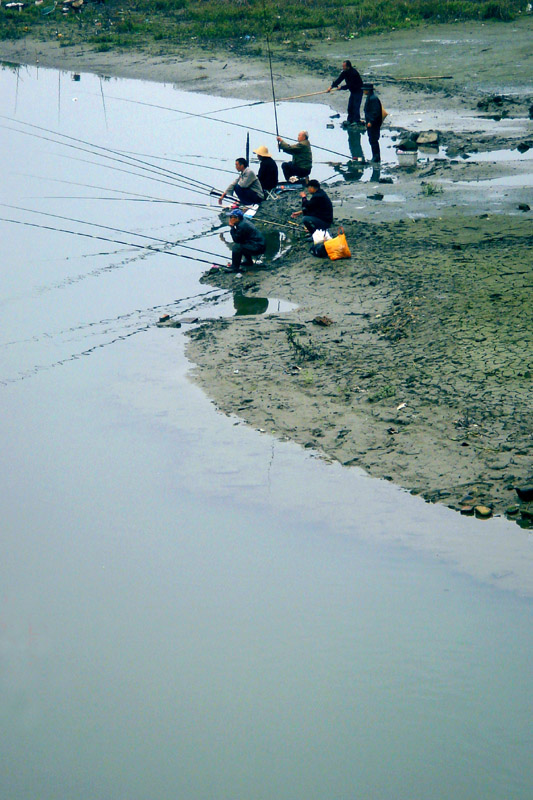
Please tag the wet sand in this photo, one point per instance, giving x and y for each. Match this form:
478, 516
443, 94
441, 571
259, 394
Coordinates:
424, 377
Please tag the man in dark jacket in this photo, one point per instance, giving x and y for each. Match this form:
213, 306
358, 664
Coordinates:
354, 83
373, 119
317, 209
248, 241
268, 169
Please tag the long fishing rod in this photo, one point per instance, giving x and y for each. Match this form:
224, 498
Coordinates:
109, 228
178, 161
107, 239
174, 183
221, 121
133, 195
114, 157
150, 166
270, 67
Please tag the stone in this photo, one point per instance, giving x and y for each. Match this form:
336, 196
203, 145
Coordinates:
428, 137
483, 511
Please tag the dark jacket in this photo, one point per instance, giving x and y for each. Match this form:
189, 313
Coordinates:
268, 173
318, 205
247, 234
353, 80
373, 110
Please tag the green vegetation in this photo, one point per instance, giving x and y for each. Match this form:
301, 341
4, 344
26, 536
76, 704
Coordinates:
429, 189
139, 23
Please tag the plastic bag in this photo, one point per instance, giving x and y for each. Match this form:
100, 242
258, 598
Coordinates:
338, 247
320, 236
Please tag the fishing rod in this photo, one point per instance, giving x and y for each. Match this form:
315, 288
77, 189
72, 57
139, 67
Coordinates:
270, 67
114, 157
178, 161
151, 167
134, 195
107, 239
192, 114
175, 184
110, 228
120, 200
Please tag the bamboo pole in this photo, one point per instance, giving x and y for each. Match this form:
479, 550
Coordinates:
310, 94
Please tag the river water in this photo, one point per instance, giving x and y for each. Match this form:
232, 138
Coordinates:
189, 608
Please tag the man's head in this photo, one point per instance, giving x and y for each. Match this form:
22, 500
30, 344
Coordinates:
240, 164
235, 216
346, 65
303, 136
368, 88
313, 186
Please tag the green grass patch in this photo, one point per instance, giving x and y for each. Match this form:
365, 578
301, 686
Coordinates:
138, 23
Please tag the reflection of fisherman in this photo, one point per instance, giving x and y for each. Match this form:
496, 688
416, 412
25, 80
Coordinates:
373, 119
248, 305
268, 169
353, 82
317, 209
354, 143
248, 241
302, 158
246, 186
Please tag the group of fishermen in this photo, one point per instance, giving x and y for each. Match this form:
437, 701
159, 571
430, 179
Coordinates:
317, 211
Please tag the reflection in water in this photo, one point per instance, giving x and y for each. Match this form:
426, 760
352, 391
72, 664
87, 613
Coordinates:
245, 306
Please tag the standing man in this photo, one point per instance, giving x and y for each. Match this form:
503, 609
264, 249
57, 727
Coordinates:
268, 169
248, 241
302, 158
373, 120
317, 209
354, 83
245, 186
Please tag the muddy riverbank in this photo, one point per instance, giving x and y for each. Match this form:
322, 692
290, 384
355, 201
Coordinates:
424, 375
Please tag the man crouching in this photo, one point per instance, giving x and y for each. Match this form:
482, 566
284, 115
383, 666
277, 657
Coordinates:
247, 241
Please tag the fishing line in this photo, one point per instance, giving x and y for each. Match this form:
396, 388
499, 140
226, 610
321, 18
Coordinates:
177, 184
104, 188
110, 228
143, 164
221, 121
75, 356
177, 161
114, 241
120, 317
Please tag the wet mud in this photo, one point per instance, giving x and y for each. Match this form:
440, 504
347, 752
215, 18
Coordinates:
424, 376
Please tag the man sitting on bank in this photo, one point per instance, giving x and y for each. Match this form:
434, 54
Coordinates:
268, 169
248, 241
302, 158
317, 209
246, 186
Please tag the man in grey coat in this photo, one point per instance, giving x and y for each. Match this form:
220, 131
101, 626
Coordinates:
246, 186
